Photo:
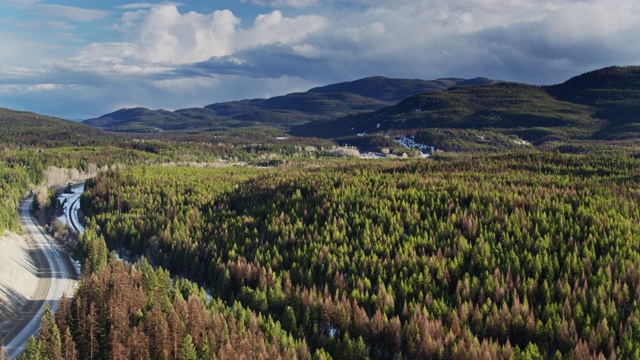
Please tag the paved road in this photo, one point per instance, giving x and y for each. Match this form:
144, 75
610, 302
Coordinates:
55, 279
74, 208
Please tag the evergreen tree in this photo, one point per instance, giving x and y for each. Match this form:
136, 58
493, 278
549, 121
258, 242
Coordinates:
321, 354
187, 349
289, 322
32, 350
205, 352
49, 336
68, 346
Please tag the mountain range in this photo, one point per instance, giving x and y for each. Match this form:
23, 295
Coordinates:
594, 109
282, 112
600, 105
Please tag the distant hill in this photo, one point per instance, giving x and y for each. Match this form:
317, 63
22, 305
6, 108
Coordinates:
477, 114
281, 112
614, 93
595, 107
296, 108
142, 120
395, 90
509, 108
30, 129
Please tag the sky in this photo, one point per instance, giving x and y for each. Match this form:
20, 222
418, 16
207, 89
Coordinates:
80, 59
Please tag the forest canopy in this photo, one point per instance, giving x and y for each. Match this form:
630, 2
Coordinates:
523, 255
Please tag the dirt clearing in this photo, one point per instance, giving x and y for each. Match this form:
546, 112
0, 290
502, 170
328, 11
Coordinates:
18, 276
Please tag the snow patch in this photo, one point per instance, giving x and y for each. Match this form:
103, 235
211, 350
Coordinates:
371, 155
521, 142
410, 143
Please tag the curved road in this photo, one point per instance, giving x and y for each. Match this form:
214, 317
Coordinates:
54, 277
74, 208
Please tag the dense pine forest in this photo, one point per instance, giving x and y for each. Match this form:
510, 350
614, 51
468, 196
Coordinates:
530, 255
126, 312
23, 170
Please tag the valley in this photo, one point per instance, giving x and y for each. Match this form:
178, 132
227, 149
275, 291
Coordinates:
374, 219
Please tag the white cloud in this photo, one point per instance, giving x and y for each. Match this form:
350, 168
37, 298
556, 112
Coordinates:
21, 3
72, 13
9, 89
185, 58
283, 3
146, 5
163, 34
43, 87
101, 53
507, 39
58, 25
588, 20
17, 49
274, 28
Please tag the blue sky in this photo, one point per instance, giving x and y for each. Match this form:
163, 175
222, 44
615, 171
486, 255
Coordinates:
79, 59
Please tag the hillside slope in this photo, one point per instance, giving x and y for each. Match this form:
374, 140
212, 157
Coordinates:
599, 107
511, 108
30, 129
141, 120
395, 90
614, 93
280, 112
591, 111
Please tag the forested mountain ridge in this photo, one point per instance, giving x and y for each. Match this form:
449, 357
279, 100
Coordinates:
396, 90
590, 111
321, 103
31, 129
505, 107
613, 93
597, 108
